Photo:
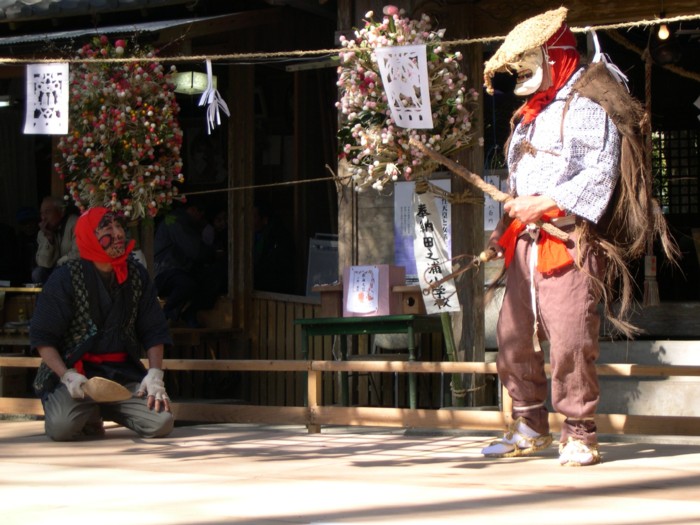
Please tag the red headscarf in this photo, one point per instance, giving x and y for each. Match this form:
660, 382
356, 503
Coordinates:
90, 248
561, 50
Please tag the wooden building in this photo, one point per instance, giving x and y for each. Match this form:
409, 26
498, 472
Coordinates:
279, 146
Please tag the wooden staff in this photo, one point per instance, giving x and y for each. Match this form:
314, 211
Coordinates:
489, 189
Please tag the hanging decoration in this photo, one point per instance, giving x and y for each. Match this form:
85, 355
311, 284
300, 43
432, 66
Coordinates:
124, 139
214, 102
404, 73
47, 99
372, 143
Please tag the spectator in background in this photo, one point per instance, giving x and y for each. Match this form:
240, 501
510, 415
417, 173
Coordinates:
27, 228
273, 252
8, 257
180, 258
56, 238
215, 234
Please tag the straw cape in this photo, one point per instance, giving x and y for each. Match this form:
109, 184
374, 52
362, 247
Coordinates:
529, 34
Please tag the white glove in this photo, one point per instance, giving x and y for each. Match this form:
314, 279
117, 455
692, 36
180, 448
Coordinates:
74, 382
153, 385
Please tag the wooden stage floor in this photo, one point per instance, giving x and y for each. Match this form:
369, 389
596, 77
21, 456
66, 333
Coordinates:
234, 474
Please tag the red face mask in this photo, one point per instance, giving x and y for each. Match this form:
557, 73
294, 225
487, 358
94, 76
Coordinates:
99, 240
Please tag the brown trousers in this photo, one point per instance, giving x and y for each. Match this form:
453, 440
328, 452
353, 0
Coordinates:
567, 317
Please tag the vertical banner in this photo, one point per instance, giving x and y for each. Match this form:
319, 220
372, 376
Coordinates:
47, 99
432, 256
493, 210
404, 72
404, 224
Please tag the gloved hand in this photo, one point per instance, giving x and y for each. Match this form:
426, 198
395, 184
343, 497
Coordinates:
153, 387
74, 382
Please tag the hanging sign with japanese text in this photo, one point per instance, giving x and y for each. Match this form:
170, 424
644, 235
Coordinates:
432, 256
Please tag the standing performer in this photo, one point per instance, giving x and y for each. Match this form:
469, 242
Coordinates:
94, 318
564, 160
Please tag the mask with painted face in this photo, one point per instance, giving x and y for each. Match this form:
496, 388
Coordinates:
110, 234
101, 238
529, 71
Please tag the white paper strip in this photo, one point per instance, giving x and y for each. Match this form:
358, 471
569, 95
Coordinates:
363, 290
47, 99
214, 102
432, 257
404, 71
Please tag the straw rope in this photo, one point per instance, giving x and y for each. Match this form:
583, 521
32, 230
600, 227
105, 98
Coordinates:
326, 52
336, 51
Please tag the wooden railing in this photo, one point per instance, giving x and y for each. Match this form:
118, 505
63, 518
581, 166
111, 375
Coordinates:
315, 415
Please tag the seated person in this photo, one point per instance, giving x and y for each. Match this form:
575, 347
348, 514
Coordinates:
96, 317
56, 238
8, 257
215, 234
180, 255
27, 227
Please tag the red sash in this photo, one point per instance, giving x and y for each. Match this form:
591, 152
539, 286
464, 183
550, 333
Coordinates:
115, 357
552, 253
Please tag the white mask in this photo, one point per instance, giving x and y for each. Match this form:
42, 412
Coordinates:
529, 72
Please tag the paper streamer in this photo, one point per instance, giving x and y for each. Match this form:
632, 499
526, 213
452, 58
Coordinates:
214, 102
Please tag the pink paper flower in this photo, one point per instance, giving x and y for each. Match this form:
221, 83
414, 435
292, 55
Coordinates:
390, 10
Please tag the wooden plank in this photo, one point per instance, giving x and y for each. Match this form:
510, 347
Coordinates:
465, 419
264, 349
425, 367
222, 413
21, 405
20, 362
280, 381
461, 419
288, 353
647, 425
408, 418
254, 348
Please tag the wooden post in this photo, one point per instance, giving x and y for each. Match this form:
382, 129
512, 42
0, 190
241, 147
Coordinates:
314, 392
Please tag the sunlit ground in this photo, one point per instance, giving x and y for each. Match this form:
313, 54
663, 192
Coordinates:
230, 474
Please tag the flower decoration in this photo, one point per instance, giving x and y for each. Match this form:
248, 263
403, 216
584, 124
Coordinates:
123, 147
376, 149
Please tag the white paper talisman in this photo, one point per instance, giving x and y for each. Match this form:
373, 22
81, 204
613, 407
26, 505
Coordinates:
47, 99
432, 257
404, 71
363, 292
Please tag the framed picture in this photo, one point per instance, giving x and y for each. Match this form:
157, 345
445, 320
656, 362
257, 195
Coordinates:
205, 155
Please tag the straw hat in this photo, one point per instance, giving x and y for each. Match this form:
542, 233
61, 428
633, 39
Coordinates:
531, 33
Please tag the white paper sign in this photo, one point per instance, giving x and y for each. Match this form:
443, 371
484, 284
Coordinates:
493, 210
404, 224
363, 290
47, 99
432, 257
404, 71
